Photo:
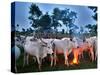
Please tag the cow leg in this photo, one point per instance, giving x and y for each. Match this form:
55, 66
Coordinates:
51, 60
79, 56
82, 56
92, 54
96, 54
34, 58
24, 59
55, 57
15, 67
95, 57
27, 57
39, 63
66, 58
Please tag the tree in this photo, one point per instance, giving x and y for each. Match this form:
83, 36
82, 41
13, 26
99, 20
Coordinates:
81, 30
68, 17
40, 22
56, 13
35, 14
44, 23
17, 27
92, 29
63, 31
23, 30
35, 11
55, 17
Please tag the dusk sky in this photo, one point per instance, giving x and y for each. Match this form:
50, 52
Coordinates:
22, 13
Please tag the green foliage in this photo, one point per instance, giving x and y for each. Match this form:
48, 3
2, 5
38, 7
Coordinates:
63, 31
92, 29
23, 29
35, 13
17, 25
66, 16
56, 13
44, 22
34, 10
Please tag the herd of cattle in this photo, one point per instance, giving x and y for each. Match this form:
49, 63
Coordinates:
39, 48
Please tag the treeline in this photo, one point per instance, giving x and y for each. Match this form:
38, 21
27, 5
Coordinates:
49, 23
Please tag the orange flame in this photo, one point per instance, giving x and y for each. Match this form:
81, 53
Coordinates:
76, 53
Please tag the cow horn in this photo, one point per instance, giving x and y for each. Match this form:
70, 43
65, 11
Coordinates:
43, 41
52, 41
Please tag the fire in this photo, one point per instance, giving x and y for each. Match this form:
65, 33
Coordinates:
75, 61
76, 53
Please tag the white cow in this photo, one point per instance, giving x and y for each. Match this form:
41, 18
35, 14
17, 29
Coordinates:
65, 38
37, 48
94, 43
65, 46
88, 45
96, 51
20, 40
17, 53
